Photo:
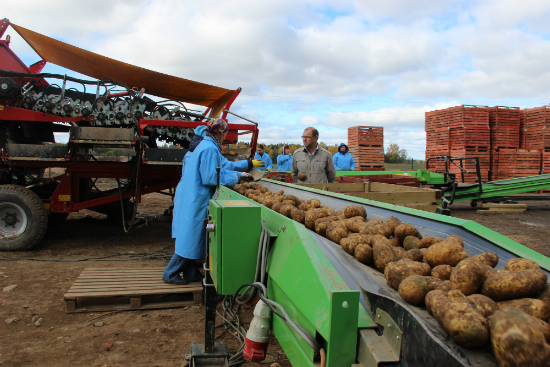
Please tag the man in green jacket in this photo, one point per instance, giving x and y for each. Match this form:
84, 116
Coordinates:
312, 160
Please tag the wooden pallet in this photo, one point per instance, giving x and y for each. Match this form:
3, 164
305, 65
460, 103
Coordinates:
104, 289
502, 209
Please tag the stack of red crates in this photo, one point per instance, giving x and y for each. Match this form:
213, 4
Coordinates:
366, 145
503, 164
537, 126
470, 136
522, 129
437, 138
505, 140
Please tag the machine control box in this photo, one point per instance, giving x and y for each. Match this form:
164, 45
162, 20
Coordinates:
234, 243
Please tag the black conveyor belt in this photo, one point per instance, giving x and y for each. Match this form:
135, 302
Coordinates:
424, 342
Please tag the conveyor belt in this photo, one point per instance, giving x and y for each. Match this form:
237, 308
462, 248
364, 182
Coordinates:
425, 343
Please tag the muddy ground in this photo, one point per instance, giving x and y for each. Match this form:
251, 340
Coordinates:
138, 338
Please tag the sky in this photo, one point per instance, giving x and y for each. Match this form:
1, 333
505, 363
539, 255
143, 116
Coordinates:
327, 64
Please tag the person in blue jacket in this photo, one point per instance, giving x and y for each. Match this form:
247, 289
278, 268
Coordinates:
195, 189
264, 157
284, 161
343, 161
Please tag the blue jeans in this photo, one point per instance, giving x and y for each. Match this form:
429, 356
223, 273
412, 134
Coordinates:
182, 265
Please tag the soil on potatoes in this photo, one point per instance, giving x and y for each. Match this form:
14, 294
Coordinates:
145, 337
129, 338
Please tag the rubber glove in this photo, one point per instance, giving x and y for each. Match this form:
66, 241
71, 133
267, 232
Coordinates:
268, 169
339, 169
246, 177
257, 163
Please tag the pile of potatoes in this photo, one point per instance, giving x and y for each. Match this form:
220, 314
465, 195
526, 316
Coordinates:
473, 302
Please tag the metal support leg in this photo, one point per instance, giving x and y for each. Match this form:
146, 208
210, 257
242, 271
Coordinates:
210, 315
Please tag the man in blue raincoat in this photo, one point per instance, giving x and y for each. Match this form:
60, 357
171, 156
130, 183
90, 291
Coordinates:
264, 157
343, 160
284, 161
195, 189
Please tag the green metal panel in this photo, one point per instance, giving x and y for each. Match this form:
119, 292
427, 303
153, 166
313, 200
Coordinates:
305, 283
234, 256
426, 177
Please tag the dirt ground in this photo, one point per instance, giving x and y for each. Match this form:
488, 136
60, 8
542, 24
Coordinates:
138, 338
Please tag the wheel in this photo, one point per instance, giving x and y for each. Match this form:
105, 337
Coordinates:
23, 218
473, 203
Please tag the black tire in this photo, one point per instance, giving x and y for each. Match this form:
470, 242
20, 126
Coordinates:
473, 203
23, 218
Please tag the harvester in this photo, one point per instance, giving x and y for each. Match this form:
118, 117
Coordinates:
120, 106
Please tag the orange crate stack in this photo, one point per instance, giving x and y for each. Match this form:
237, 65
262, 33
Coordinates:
528, 162
504, 125
437, 165
366, 145
537, 128
469, 127
503, 164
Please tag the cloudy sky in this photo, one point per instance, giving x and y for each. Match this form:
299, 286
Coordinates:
328, 64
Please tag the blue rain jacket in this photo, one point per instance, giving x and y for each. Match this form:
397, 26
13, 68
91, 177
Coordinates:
266, 159
344, 160
239, 166
194, 191
284, 162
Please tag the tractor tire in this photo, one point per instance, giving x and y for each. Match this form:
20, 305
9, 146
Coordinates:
23, 218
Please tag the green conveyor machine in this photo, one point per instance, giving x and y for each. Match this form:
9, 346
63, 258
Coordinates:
346, 306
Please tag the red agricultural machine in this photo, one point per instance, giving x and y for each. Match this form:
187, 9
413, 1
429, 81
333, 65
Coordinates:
124, 106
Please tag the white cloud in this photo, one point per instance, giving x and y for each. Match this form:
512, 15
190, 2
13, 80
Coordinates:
309, 121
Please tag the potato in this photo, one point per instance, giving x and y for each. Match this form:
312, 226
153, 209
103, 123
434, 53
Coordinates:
305, 206
442, 272
423, 250
419, 268
444, 285
489, 258
286, 210
382, 254
381, 229
394, 242
396, 272
484, 305
432, 298
321, 227
374, 222
455, 238
357, 240
296, 201
432, 282
392, 222
321, 212
363, 253
302, 176
330, 211
428, 241
468, 276
310, 218
289, 202
544, 295
355, 210
336, 233
338, 223
465, 326
354, 224
531, 306
280, 193
411, 242
488, 271
445, 253
315, 203
413, 289
404, 229
520, 264
276, 206
545, 327
414, 255
514, 284
397, 251
298, 215
517, 340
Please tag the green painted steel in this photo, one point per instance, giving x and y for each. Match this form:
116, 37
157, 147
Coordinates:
502, 188
305, 283
234, 243
472, 226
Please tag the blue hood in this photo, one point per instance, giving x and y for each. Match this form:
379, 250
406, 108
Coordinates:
343, 144
200, 133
